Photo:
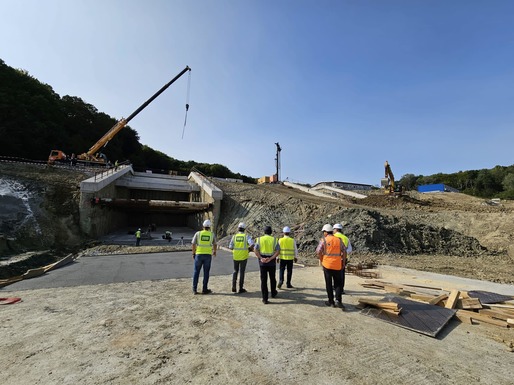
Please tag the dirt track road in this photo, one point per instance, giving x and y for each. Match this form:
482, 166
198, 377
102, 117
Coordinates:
157, 332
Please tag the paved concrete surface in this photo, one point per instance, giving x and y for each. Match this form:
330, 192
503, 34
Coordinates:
104, 269
179, 235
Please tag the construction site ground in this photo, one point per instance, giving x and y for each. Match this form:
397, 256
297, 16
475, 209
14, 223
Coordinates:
157, 332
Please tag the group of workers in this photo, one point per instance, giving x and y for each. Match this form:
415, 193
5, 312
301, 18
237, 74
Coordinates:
332, 251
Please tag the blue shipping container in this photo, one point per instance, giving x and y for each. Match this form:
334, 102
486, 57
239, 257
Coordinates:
436, 187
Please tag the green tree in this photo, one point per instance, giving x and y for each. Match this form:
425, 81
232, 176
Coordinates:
508, 182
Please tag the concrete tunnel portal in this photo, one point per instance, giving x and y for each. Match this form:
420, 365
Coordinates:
120, 199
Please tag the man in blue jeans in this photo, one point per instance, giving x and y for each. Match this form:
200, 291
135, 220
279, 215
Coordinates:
204, 248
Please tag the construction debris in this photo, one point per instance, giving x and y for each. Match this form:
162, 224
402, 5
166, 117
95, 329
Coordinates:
472, 306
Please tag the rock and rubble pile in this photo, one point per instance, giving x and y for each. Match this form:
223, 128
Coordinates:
410, 230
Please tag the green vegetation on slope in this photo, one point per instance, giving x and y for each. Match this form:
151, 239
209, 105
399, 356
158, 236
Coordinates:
35, 120
494, 183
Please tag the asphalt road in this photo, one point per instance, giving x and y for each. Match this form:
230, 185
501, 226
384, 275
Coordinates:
104, 269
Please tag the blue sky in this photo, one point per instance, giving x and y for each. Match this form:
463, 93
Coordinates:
342, 85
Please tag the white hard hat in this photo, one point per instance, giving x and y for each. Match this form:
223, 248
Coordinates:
207, 223
328, 228
286, 229
241, 225
338, 226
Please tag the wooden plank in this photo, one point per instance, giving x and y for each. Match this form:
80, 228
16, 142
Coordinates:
381, 305
439, 298
452, 299
481, 318
503, 306
464, 318
394, 312
393, 289
423, 287
498, 314
422, 297
469, 304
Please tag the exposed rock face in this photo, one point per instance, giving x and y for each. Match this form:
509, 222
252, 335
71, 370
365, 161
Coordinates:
370, 230
39, 208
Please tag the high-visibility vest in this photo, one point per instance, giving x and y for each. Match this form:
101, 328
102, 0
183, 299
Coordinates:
286, 248
267, 245
138, 234
332, 256
240, 250
204, 242
343, 237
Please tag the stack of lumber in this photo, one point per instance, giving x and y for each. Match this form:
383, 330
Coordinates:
362, 270
388, 307
469, 309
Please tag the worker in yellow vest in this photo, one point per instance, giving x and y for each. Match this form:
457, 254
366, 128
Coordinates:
240, 244
267, 249
338, 232
138, 237
331, 252
288, 255
204, 248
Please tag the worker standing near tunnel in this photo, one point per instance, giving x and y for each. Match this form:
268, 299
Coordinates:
267, 249
338, 232
288, 255
204, 248
331, 252
240, 244
138, 237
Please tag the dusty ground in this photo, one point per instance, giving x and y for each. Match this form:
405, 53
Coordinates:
158, 333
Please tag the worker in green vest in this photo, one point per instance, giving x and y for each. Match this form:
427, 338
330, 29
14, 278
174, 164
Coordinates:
338, 232
240, 244
204, 248
288, 255
138, 237
267, 249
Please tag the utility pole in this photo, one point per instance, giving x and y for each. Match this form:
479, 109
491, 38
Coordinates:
277, 161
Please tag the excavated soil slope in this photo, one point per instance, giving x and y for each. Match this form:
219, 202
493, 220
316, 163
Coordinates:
447, 233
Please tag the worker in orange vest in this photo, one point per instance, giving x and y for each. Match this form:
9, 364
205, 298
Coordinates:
331, 252
338, 232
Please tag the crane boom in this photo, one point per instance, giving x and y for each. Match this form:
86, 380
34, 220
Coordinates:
123, 122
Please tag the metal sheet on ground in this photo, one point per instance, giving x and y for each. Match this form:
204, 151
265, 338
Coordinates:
416, 316
489, 297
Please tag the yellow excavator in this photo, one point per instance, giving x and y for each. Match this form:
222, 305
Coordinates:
93, 155
388, 183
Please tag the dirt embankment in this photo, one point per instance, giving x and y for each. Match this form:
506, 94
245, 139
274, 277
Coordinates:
446, 233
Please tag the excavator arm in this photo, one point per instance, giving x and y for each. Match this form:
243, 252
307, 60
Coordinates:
389, 175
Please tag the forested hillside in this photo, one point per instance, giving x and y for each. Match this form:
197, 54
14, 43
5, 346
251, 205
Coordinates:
35, 120
494, 183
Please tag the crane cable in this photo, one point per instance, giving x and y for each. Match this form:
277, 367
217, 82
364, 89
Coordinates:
187, 102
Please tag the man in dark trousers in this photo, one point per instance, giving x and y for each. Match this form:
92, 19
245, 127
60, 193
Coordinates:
240, 244
331, 252
267, 249
288, 255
